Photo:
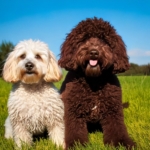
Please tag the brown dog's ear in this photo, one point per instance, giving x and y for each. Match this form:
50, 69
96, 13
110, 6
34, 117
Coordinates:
67, 56
121, 63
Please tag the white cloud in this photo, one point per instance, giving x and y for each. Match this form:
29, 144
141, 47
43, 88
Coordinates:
147, 53
138, 53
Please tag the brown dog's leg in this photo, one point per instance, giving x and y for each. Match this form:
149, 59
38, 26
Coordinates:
115, 132
75, 131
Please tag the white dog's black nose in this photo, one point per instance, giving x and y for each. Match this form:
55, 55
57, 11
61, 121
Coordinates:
29, 66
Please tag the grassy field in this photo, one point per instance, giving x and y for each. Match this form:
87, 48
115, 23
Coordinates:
136, 90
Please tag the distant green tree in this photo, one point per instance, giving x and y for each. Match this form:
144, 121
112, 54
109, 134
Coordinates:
146, 69
5, 49
136, 69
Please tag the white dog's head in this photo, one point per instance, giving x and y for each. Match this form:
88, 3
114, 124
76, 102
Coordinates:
31, 61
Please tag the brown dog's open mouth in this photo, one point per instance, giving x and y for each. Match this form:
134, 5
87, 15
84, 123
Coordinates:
93, 63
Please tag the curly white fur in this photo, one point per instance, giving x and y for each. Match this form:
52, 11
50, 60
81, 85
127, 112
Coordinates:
34, 104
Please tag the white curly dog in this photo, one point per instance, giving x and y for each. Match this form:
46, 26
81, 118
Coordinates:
34, 104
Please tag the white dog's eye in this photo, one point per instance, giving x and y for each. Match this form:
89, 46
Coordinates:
37, 56
23, 56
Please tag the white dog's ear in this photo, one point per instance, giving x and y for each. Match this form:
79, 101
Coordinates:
9, 70
53, 73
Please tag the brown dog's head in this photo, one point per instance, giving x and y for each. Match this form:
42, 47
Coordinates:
94, 46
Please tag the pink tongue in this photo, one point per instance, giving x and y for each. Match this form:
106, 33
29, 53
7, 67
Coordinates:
93, 62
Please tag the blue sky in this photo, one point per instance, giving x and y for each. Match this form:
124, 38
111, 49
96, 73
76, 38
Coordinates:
51, 20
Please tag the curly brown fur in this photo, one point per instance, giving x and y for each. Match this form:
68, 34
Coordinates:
93, 53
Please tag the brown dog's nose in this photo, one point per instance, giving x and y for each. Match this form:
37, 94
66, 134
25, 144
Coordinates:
29, 66
94, 53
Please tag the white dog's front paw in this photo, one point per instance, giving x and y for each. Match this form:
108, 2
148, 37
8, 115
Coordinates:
8, 135
8, 129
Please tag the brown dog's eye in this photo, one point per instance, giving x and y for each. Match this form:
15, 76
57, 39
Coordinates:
22, 56
38, 56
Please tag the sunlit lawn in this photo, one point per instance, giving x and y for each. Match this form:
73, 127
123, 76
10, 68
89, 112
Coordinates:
136, 90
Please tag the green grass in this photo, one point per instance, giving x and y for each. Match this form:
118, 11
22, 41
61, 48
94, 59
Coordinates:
135, 89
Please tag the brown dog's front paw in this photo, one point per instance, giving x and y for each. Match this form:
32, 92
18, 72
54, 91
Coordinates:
127, 143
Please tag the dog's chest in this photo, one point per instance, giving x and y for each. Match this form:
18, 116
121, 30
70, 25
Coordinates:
86, 103
34, 110
89, 109
34, 114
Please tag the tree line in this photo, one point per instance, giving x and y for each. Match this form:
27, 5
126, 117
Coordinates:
5, 49
135, 69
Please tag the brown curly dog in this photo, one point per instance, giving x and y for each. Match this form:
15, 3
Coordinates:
93, 53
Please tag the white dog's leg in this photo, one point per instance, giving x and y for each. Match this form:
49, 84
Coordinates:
56, 133
21, 135
8, 128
